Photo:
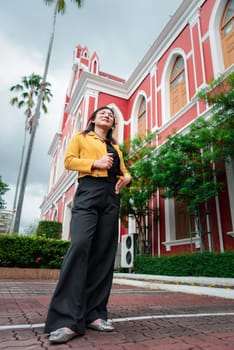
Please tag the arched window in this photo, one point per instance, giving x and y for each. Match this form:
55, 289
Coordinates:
95, 67
85, 54
141, 118
227, 34
177, 86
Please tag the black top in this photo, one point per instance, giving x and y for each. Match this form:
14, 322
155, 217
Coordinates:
114, 171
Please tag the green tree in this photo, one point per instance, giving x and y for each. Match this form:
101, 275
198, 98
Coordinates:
220, 95
188, 166
60, 7
3, 189
27, 92
135, 200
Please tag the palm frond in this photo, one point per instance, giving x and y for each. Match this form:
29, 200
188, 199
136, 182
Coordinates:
17, 87
13, 101
62, 5
49, 2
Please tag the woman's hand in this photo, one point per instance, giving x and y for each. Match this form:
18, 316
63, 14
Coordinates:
104, 163
122, 182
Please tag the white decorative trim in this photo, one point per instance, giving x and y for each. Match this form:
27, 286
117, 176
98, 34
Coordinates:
54, 144
194, 18
62, 186
120, 121
170, 220
215, 40
230, 234
178, 242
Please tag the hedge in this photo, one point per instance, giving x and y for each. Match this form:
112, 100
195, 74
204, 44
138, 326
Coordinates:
196, 264
31, 252
40, 252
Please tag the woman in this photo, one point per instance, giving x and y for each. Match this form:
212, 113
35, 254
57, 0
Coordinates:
81, 296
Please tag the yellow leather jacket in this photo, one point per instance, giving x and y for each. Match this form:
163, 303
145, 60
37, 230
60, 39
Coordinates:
83, 150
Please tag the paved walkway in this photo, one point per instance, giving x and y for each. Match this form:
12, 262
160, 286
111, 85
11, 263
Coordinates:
146, 316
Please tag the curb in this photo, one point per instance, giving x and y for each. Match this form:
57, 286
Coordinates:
218, 287
20, 273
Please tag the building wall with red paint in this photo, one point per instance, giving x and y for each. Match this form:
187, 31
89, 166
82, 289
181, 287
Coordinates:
193, 33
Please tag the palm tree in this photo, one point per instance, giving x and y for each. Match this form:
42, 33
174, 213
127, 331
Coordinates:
60, 7
27, 92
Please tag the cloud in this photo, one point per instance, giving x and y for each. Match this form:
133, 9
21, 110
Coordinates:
119, 31
16, 59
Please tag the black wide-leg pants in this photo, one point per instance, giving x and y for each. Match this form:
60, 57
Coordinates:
84, 285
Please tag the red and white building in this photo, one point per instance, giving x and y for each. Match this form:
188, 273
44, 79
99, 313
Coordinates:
195, 46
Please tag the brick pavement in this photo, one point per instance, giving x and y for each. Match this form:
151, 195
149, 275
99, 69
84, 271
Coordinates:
144, 319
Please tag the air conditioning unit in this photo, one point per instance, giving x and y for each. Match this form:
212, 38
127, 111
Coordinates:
127, 251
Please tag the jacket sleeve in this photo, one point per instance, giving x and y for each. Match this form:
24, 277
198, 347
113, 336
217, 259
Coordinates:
73, 157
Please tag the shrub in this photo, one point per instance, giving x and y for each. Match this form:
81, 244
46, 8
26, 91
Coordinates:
32, 252
197, 264
49, 229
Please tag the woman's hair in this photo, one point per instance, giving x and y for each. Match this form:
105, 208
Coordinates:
91, 125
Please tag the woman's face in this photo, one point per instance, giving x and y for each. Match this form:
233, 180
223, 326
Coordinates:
104, 118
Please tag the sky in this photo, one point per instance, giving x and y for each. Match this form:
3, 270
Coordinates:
120, 31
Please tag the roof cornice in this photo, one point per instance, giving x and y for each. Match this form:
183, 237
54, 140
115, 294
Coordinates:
54, 143
172, 29
89, 81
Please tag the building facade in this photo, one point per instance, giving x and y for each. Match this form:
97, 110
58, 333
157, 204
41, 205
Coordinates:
195, 46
